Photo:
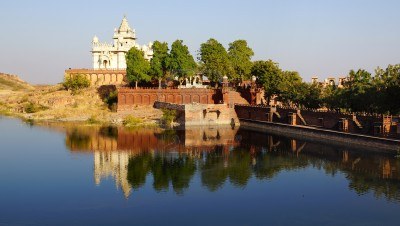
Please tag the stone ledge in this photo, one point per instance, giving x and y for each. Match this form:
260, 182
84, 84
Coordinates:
375, 144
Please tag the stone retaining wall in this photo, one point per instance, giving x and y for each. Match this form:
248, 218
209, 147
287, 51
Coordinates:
100, 77
202, 114
352, 123
369, 143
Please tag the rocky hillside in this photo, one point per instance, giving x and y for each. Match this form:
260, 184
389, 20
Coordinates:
54, 103
13, 82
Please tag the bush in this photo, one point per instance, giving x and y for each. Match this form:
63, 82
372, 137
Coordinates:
168, 117
76, 82
33, 108
131, 121
111, 100
92, 120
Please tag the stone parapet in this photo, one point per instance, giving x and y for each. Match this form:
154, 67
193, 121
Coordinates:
374, 125
99, 77
319, 135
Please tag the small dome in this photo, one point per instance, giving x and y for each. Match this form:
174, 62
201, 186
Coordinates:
95, 39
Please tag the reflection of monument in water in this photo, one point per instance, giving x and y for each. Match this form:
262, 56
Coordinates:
114, 147
112, 164
220, 155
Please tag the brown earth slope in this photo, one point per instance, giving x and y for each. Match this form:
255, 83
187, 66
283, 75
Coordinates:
54, 103
13, 83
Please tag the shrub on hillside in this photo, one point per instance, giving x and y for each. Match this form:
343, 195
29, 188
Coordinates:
76, 82
168, 117
111, 100
131, 121
93, 120
33, 108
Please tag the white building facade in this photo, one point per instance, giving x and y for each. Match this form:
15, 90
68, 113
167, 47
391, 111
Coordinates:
112, 55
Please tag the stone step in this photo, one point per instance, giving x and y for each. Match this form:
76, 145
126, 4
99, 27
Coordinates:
236, 98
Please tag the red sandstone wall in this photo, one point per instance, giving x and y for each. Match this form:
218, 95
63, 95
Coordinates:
251, 112
129, 97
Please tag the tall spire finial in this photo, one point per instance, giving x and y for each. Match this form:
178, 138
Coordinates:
124, 27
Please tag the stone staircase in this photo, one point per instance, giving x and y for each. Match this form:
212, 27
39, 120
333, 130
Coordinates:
301, 118
236, 98
358, 124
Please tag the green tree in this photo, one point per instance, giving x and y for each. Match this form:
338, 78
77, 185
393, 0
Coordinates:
334, 98
75, 82
357, 90
291, 88
269, 76
240, 56
180, 61
386, 85
137, 67
215, 61
159, 61
310, 95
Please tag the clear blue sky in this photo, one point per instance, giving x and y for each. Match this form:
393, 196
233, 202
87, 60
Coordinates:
40, 39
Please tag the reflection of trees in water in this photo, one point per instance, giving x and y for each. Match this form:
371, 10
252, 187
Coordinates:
177, 171
258, 155
239, 165
77, 140
138, 168
109, 131
269, 165
216, 167
214, 171
363, 183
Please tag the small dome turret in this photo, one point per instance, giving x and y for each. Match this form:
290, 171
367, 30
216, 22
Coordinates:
95, 39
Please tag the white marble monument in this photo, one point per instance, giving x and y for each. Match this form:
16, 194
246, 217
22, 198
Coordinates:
112, 55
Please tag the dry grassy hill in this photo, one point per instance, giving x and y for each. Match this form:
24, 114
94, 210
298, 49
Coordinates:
53, 102
13, 83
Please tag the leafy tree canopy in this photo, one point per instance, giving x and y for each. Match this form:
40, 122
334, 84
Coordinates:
159, 62
180, 61
269, 76
215, 60
137, 67
240, 56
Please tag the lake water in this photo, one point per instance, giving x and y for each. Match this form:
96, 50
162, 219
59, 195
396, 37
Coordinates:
86, 175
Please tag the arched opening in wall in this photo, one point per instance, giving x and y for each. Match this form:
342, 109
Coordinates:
138, 99
105, 62
195, 99
179, 99
107, 79
146, 100
153, 98
170, 98
204, 99
122, 100
161, 98
187, 99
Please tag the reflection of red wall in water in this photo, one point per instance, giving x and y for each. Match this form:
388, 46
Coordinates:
147, 140
141, 140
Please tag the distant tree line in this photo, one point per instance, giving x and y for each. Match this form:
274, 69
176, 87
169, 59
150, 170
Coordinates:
361, 92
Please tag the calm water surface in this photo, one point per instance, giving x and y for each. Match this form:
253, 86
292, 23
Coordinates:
80, 175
